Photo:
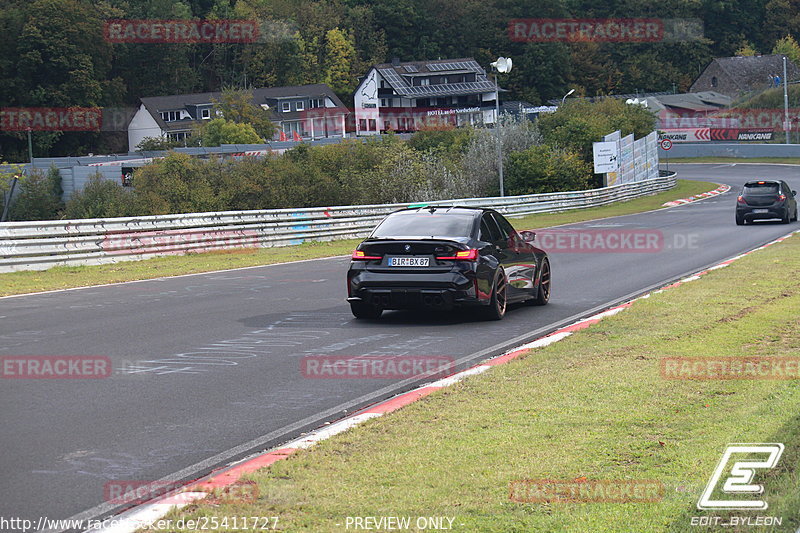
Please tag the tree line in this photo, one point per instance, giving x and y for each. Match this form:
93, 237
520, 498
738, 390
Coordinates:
53, 53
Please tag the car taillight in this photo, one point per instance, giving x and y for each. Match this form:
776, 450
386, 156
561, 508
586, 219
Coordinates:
781, 197
741, 200
359, 255
463, 255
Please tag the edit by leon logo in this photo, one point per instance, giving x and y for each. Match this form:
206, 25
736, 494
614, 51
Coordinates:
752, 457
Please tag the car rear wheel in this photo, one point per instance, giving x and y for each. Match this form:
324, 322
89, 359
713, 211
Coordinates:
786, 218
543, 293
497, 303
739, 220
365, 310
795, 215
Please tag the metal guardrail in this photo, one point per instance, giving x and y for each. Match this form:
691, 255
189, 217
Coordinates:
43, 244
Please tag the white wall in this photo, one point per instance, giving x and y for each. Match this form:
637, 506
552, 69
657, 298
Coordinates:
142, 125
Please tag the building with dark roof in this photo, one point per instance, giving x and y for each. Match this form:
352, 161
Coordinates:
735, 76
305, 111
404, 97
688, 110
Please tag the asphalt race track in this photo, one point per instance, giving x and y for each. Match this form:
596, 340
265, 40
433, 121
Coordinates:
207, 367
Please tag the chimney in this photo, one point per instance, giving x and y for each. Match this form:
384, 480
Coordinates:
395, 61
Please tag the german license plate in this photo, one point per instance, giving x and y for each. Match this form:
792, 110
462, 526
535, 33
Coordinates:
760, 210
409, 261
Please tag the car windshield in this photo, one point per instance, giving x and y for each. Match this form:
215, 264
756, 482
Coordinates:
416, 224
761, 188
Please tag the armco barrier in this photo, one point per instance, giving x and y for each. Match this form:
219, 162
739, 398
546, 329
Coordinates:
44, 244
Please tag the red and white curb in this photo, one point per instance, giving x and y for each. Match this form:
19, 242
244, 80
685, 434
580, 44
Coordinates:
142, 515
722, 189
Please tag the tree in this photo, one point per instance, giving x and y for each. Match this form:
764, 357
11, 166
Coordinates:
219, 131
340, 53
579, 123
782, 18
788, 46
56, 50
480, 160
746, 49
176, 184
543, 169
156, 144
236, 105
102, 198
540, 72
157, 69
39, 197
447, 140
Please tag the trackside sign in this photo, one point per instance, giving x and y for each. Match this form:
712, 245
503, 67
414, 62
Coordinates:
606, 157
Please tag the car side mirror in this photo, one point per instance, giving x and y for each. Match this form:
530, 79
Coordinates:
794, 193
528, 236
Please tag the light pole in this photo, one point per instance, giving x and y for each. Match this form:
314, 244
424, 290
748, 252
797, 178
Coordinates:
502, 65
9, 196
787, 126
565, 96
30, 148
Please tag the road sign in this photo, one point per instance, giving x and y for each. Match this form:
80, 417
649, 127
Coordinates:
606, 157
666, 144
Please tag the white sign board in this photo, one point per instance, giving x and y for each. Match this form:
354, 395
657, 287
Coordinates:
606, 158
626, 168
612, 177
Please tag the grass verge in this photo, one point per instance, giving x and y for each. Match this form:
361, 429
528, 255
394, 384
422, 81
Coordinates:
68, 277
591, 406
784, 160
683, 189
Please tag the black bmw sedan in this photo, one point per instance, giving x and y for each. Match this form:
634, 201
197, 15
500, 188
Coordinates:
442, 257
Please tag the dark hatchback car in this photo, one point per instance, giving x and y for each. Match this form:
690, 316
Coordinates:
766, 199
445, 257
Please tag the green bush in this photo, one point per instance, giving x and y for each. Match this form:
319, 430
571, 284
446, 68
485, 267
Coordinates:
449, 141
543, 169
176, 184
579, 123
102, 198
39, 197
219, 131
157, 144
